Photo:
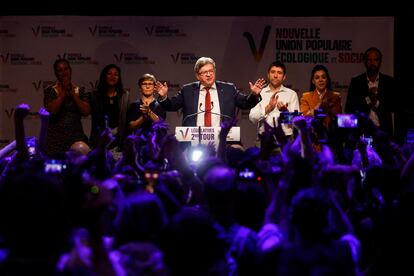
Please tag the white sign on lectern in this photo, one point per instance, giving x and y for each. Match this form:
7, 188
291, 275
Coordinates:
205, 135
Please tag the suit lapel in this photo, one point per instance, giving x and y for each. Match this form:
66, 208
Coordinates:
381, 85
196, 95
220, 97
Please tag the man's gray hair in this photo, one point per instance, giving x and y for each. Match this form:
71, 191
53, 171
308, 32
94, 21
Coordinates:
203, 61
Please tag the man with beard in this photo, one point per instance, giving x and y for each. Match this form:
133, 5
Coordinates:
373, 93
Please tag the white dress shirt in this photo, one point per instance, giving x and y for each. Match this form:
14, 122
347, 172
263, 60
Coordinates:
257, 113
215, 110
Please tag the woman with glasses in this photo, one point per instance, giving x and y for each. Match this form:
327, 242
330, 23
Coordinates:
109, 107
145, 111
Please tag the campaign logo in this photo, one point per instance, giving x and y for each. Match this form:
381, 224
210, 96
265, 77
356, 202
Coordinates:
164, 31
4, 87
77, 58
38, 85
107, 31
19, 59
184, 134
50, 31
133, 58
258, 53
184, 58
9, 112
93, 85
6, 33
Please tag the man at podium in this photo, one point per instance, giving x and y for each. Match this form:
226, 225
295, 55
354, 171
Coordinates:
207, 101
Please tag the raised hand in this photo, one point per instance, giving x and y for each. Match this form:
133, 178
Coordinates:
272, 103
257, 87
161, 88
282, 106
145, 110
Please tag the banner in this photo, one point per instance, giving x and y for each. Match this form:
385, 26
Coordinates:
168, 47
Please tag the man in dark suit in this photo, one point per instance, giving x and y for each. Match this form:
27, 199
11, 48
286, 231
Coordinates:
373, 93
219, 105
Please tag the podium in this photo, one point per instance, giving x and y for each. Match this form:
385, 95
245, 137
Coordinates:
204, 135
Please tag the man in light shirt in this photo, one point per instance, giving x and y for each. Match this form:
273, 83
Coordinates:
276, 98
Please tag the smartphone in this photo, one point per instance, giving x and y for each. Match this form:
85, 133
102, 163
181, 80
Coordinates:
247, 174
347, 120
54, 166
286, 117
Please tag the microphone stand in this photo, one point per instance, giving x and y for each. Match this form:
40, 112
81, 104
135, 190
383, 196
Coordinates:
203, 111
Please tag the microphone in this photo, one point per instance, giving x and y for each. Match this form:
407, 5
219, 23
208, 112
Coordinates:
203, 111
218, 114
193, 114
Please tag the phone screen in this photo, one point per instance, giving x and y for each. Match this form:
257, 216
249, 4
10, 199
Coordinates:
347, 121
54, 166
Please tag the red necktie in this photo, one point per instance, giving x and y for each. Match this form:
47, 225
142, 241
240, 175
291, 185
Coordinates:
207, 114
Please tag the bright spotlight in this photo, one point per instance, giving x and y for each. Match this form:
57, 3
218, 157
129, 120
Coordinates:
196, 155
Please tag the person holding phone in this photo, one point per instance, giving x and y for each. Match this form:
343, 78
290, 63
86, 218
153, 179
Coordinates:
276, 98
109, 105
321, 97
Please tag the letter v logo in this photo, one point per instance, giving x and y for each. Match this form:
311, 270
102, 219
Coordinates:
62, 56
36, 31
182, 133
93, 85
4, 59
93, 30
149, 30
258, 54
175, 57
9, 113
119, 57
37, 85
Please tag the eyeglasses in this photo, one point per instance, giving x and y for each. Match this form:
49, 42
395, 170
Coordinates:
147, 83
204, 73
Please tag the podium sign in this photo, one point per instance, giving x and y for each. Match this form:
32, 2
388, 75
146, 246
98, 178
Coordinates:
204, 135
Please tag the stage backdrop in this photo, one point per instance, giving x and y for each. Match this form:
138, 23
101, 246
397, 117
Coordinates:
168, 47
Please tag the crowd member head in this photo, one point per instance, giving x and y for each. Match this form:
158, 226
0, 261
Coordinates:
80, 147
309, 215
141, 217
191, 244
